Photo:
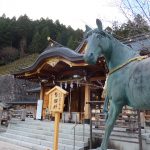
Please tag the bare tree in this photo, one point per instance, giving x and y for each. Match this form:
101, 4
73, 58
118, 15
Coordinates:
131, 8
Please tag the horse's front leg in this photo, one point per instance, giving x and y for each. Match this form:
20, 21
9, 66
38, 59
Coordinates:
115, 109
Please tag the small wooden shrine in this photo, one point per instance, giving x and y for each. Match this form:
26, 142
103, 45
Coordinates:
66, 68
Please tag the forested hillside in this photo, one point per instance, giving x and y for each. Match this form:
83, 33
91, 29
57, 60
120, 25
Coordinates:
23, 36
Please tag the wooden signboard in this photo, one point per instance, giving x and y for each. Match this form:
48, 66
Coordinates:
57, 101
56, 105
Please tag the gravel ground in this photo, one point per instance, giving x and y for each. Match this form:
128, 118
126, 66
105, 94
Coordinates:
7, 146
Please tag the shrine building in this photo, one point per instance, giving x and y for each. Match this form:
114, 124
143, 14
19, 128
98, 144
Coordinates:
61, 66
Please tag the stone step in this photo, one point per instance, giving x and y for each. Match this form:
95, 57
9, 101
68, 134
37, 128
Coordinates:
147, 141
116, 133
32, 121
39, 142
47, 132
146, 136
119, 137
51, 127
8, 146
41, 133
23, 144
125, 139
47, 137
50, 124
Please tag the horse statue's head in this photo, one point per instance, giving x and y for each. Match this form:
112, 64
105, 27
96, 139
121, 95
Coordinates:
98, 43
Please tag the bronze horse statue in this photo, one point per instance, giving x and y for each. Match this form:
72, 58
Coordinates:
129, 74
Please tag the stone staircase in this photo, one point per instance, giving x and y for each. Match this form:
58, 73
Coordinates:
124, 139
38, 135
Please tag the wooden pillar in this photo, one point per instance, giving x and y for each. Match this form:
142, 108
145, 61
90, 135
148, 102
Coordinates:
87, 106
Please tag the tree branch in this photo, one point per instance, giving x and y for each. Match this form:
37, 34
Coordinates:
143, 10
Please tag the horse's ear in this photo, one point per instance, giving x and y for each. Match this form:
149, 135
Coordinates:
87, 28
99, 24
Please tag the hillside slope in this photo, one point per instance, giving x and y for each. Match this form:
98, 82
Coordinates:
18, 64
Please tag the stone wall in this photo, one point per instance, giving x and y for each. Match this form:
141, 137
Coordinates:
14, 90
7, 88
20, 88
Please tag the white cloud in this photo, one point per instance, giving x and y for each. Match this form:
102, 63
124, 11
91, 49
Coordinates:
70, 12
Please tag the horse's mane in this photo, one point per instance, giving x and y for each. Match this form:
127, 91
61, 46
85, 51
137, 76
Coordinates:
97, 31
110, 36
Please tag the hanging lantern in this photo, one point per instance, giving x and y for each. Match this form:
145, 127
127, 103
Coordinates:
77, 83
61, 84
71, 85
65, 85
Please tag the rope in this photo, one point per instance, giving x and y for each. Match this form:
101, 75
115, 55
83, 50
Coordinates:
139, 58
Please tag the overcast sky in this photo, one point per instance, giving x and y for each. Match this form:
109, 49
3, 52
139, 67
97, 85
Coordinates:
76, 13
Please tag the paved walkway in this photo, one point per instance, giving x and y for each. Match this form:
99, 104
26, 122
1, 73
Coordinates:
7, 146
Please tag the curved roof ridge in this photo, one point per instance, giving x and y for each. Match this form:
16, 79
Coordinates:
51, 52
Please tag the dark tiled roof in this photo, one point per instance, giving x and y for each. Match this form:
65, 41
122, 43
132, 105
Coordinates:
63, 52
50, 52
136, 38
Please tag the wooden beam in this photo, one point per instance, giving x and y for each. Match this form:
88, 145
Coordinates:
53, 62
98, 78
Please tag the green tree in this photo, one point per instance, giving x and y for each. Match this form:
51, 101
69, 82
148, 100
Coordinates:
44, 34
35, 46
5, 31
28, 36
23, 30
71, 43
131, 28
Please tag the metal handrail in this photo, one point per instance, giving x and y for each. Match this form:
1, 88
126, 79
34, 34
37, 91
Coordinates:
74, 128
76, 124
83, 129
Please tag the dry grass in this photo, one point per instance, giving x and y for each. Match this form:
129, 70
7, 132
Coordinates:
16, 65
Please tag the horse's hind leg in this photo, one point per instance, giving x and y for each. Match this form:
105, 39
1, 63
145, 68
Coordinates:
115, 109
105, 109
